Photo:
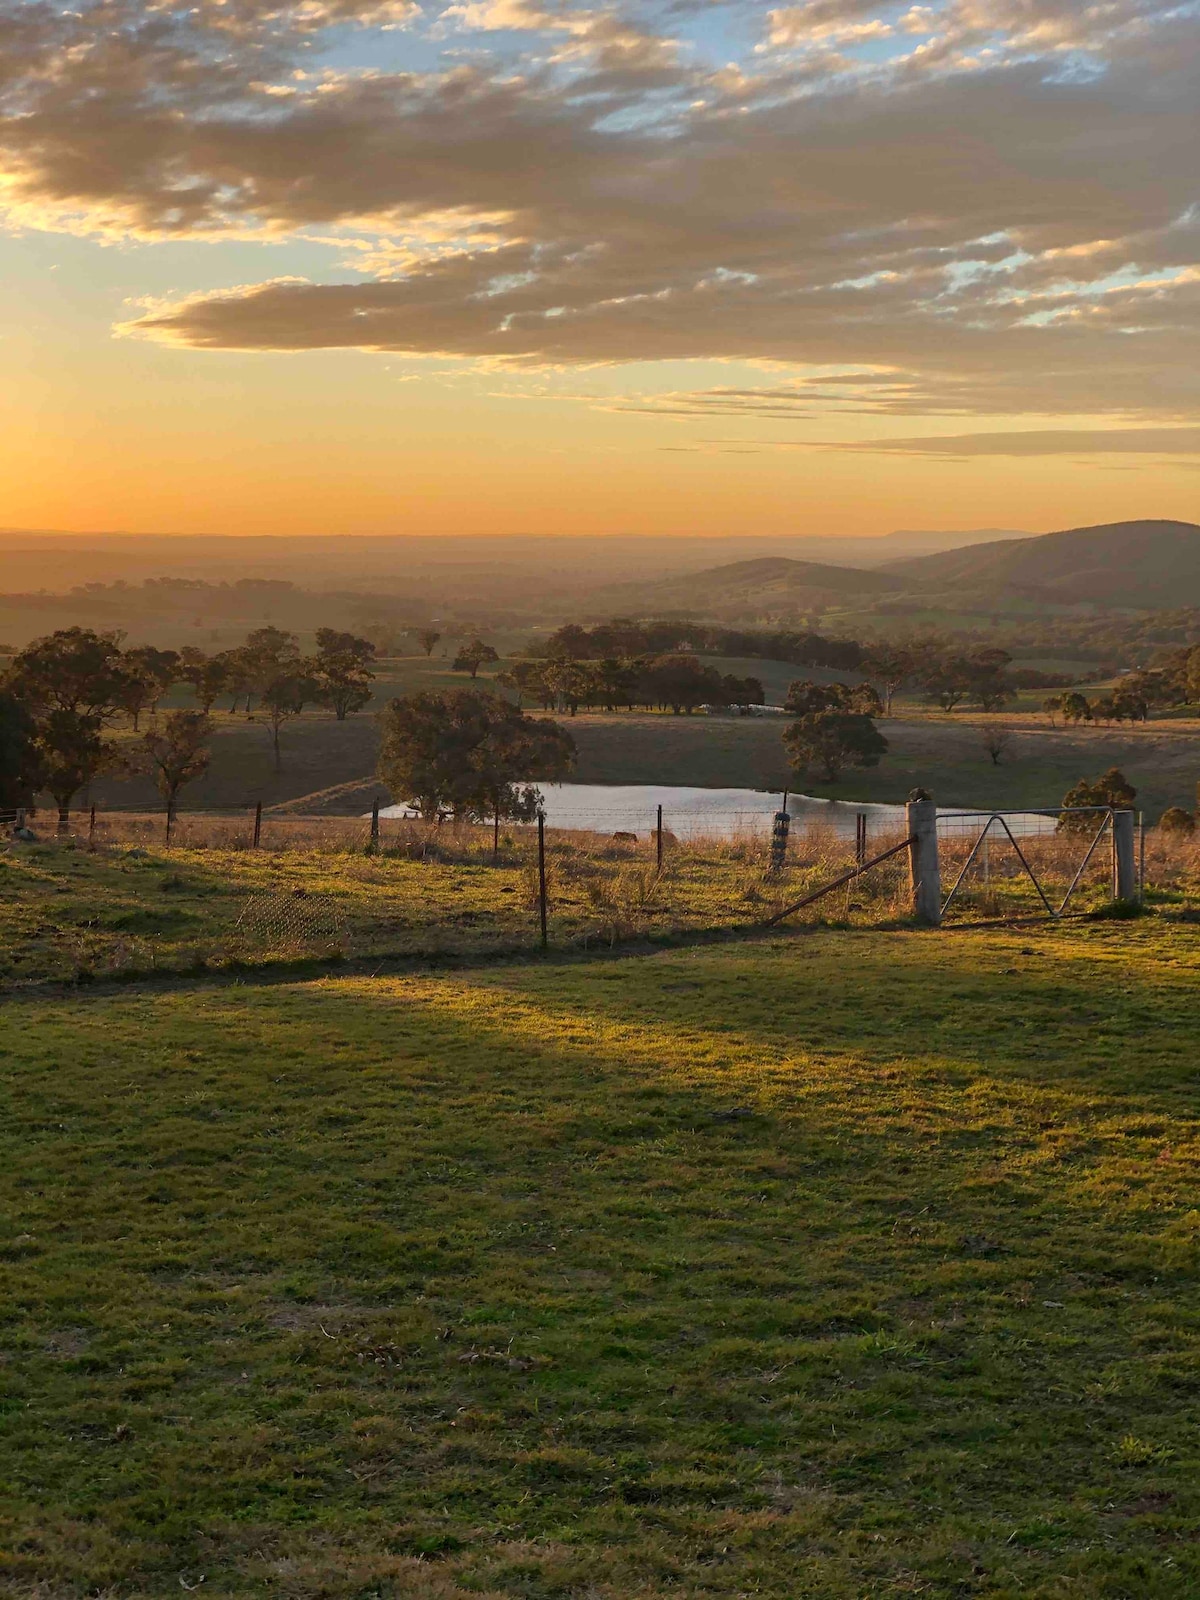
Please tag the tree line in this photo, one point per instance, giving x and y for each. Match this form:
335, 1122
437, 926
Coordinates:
623, 638
673, 682
948, 674
62, 694
1172, 682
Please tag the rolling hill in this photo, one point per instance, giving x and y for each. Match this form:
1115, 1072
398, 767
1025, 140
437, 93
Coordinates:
770, 585
1146, 564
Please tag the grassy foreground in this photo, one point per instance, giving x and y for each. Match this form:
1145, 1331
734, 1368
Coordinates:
858, 1264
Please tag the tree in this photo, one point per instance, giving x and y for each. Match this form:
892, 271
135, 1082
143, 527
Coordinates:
1112, 788
806, 698
889, 664
208, 675
178, 752
570, 643
571, 682
950, 677
75, 670
151, 673
742, 693
1051, 705
681, 682
71, 751
469, 752
1075, 707
997, 742
833, 740
474, 655
283, 697
19, 769
341, 670
1177, 823
268, 655
427, 638
525, 678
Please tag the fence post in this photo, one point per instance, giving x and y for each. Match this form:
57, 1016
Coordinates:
92, 829
1123, 858
257, 823
542, 878
921, 815
860, 838
374, 847
779, 839
658, 840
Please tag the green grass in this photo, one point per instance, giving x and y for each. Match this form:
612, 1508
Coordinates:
849, 1266
132, 909
70, 915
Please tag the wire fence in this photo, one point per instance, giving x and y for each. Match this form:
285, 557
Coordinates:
112, 898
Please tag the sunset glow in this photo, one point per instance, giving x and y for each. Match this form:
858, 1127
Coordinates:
490, 268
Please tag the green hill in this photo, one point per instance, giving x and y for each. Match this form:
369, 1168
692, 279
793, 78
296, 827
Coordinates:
748, 588
1144, 564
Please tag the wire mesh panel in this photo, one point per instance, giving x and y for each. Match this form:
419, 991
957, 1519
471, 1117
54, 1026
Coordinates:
1046, 863
291, 922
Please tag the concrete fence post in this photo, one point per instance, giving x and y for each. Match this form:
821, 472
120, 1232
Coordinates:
1124, 858
921, 814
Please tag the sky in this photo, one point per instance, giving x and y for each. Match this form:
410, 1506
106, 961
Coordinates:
665, 267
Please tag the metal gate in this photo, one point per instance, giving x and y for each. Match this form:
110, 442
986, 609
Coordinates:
1054, 862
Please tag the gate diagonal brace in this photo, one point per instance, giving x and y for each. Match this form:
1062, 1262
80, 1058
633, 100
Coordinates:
967, 863
1100, 832
846, 877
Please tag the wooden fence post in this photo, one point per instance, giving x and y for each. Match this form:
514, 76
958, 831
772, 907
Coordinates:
1125, 886
374, 847
921, 814
658, 839
257, 824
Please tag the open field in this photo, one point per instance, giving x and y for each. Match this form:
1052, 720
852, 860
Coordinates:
854, 1265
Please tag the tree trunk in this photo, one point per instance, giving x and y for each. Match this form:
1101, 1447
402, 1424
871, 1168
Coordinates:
275, 744
64, 816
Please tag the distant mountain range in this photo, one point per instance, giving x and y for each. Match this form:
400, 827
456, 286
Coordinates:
1148, 565
1145, 565
772, 583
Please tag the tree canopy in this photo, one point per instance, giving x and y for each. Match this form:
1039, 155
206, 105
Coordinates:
830, 741
469, 752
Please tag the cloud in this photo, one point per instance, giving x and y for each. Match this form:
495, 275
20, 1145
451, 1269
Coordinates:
1036, 442
1002, 213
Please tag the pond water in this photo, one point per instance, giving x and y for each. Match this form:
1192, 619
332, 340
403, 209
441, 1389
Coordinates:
632, 807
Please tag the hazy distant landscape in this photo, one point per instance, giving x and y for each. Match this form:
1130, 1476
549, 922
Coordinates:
1079, 607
